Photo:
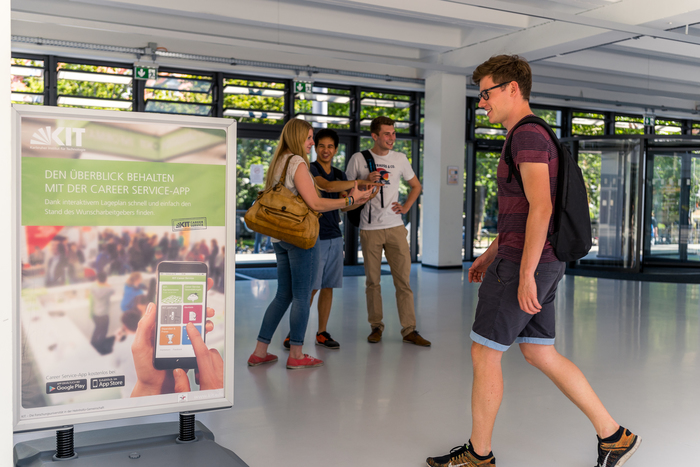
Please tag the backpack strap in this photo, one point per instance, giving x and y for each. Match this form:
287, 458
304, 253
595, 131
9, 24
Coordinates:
372, 166
508, 155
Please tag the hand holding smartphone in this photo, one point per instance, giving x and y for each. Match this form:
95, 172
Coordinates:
181, 299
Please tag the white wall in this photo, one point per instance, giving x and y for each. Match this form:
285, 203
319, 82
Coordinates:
445, 126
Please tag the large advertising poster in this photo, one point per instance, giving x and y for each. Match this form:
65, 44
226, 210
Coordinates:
122, 301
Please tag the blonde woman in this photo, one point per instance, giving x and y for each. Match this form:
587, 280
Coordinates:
295, 266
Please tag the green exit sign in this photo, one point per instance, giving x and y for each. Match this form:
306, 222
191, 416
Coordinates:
145, 72
302, 86
649, 120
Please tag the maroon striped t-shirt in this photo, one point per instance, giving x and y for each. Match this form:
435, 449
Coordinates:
531, 143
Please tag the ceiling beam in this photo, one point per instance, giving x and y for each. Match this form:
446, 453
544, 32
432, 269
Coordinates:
558, 37
303, 17
438, 11
594, 22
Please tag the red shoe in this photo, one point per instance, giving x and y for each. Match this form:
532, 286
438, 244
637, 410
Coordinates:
254, 360
306, 362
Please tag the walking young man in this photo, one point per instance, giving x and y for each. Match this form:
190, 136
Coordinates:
329, 274
381, 228
519, 274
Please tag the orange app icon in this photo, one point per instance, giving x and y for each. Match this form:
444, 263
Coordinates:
169, 335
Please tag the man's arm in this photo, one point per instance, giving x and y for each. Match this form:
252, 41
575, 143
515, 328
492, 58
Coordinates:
535, 178
482, 263
413, 195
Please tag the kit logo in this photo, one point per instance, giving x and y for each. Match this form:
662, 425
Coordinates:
46, 136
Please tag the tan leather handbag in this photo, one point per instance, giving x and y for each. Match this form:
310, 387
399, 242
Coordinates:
281, 215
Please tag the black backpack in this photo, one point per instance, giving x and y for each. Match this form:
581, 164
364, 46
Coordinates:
571, 238
355, 215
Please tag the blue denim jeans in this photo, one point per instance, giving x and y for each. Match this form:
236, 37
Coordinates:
295, 273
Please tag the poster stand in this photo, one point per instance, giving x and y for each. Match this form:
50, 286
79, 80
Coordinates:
185, 445
117, 183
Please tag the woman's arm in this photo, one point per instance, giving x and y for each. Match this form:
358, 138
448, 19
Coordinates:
341, 185
305, 186
307, 190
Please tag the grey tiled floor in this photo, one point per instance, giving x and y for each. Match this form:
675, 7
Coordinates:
393, 404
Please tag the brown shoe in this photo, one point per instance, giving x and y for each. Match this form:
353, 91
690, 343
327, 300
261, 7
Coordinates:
417, 339
375, 337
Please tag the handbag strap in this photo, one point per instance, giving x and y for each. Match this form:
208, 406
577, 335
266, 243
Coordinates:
284, 172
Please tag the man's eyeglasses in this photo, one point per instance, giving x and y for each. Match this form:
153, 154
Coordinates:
485, 93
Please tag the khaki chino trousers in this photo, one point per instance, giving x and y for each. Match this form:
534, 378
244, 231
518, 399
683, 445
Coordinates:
398, 255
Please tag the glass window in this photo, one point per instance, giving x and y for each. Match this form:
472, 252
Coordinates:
485, 129
178, 93
254, 101
668, 127
422, 117
382, 104
27, 81
584, 123
552, 117
94, 86
324, 107
249, 245
485, 201
625, 125
695, 129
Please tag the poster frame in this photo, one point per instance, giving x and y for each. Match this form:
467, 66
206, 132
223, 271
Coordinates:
191, 406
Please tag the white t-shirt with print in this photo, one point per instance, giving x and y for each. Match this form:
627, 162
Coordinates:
297, 162
392, 167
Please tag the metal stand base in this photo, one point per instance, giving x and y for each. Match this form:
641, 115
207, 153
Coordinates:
132, 446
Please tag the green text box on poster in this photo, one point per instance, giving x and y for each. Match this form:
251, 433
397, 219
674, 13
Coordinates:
171, 293
193, 293
72, 192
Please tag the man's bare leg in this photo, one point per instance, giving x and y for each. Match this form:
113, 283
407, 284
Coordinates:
487, 393
571, 381
325, 300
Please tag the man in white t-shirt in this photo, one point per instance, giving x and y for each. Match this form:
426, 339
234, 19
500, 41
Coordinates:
382, 228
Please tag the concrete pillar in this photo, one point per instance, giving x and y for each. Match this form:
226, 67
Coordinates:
445, 126
7, 275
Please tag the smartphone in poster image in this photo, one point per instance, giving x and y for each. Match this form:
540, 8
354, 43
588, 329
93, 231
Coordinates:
181, 299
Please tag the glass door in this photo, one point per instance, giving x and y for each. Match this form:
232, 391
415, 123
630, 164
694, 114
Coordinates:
672, 213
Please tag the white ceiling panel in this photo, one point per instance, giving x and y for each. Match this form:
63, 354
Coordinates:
623, 48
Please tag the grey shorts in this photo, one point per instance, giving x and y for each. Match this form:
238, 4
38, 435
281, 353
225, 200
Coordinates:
499, 321
329, 273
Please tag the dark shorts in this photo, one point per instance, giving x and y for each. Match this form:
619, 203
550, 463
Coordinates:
499, 321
